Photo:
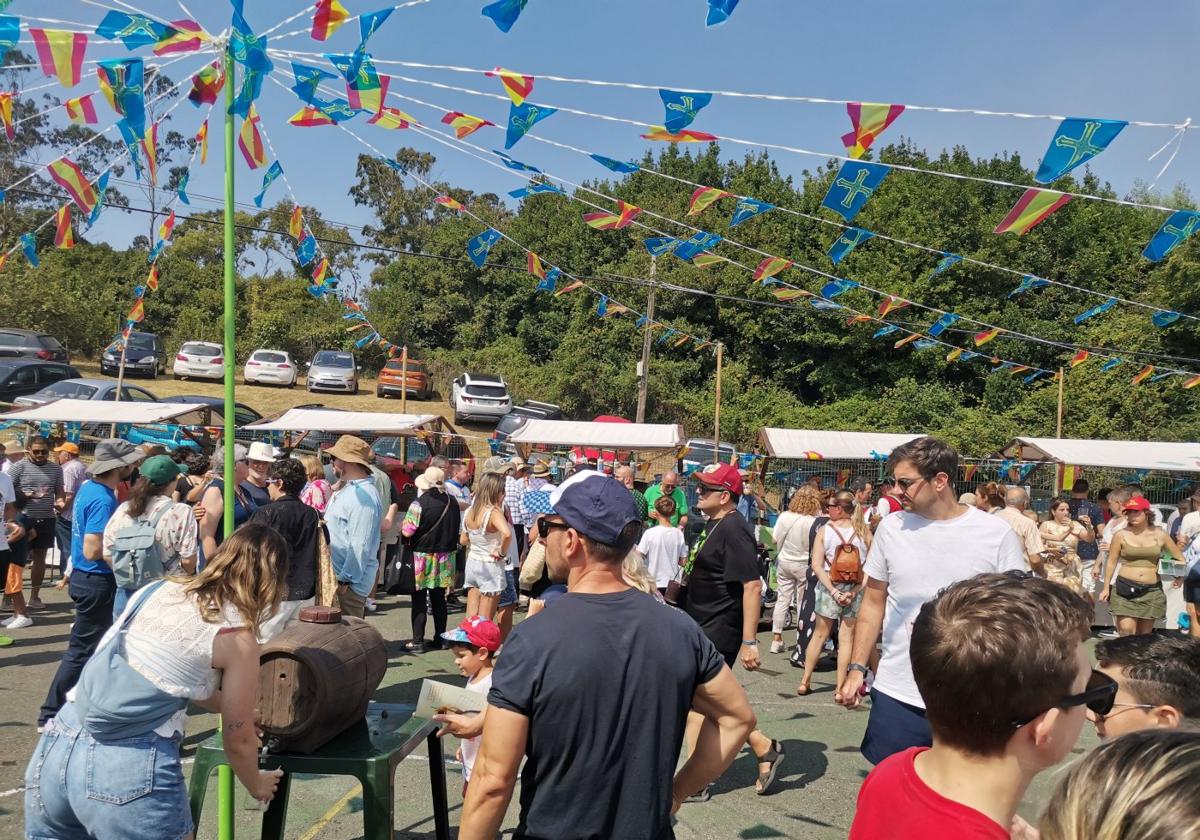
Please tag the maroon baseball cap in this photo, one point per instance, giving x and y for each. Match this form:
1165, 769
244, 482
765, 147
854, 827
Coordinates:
723, 476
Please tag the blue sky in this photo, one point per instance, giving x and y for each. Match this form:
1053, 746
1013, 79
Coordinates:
1100, 59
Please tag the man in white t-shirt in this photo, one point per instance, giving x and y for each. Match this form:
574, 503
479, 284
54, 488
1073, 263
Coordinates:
916, 553
1190, 526
663, 546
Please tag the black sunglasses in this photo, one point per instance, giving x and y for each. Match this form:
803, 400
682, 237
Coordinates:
545, 525
1098, 696
905, 483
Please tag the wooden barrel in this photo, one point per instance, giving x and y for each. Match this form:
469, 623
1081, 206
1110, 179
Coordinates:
315, 681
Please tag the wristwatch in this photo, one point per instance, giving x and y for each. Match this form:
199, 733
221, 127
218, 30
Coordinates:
750, 642
854, 666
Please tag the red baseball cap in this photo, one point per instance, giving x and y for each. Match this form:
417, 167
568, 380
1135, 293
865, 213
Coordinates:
724, 476
476, 632
1137, 503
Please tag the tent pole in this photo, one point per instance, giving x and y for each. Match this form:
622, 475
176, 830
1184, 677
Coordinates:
224, 772
717, 407
647, 338
1060, 469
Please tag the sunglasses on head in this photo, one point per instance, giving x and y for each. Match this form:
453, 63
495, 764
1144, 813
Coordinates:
1098, 697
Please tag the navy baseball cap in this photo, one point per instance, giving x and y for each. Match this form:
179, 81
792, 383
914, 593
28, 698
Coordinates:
596, 505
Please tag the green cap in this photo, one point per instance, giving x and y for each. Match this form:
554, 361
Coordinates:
160, 469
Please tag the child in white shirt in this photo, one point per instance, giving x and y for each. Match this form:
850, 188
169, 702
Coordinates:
663, 546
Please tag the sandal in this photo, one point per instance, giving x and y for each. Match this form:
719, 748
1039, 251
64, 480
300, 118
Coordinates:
775, 757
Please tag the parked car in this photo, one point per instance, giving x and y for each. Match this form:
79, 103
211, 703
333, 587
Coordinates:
387, 451
270, 367
27, 344
480, 395
23, 377
87, 389
399, 376
199, 360
517, 418
699, 454
242, 413
144, 354
333, 370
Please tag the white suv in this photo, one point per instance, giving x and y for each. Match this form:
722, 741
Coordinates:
479, 395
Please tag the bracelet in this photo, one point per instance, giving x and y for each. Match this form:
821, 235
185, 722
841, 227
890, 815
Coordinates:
854, 666
750, 642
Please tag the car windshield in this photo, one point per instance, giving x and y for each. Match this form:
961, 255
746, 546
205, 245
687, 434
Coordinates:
397, 368
69, 391
198, 349
702, 453
486, 391
141, 342
270, 358
50, 342
509, 423
328, 358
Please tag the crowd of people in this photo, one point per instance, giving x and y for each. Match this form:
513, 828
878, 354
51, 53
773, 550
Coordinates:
962, 618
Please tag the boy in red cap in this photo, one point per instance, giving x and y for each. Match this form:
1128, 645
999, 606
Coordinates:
473, 643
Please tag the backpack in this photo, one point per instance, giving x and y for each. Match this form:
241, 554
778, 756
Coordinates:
137, 558
847, 565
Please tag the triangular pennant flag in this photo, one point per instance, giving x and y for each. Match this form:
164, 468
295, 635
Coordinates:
464, 125
306, 250
982, 338
60, 54
688, 248
392, 118
206, 85
504, 13
1189, 384
1075, 142
607, 308
1109, 365
705, 260
152, 278
908, 339
327, 19
748, 208
853, 185
369, 24
132, 142
186, 36
1031, 210
321, 271
10, 32
64, 237
523, 117
537, 189
181, 190
6, 115
250, 141
80, 110
681, 108
1099, 309
869, 119
659, 245
534, 263
836, 287
687, 135
480, 246
891, 305
570, 287
1165, 318
517, 85
953, 356
703, 198
132, 30
202, 141
945, 262
604, 220
67, 174
514, 164
1171, 234
615, 165
1079, 358
850, 239
769, 267
1028, 282
149, 145
1142, 375
449, 203
310, 117
296, 223
786, 294
29, 247
274, 171
101, 189
719, 11
943, 323
121, 80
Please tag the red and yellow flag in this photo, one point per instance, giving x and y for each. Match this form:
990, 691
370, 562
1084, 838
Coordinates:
1142, 375
534, 263
6, 114
687, 135
1079, 358
138, 313
321, 271
517, 85
464, 125
570, 287
1019, 368
167, 226
67, 174
704, 197
296, 223
858, 319
81, 111
308, 117
891, 305
185, 36
61, 53
869, 119
251, 142
982, 338
392, 118
202, 140
1190, 383
603, 220
771, 266
704, 260
64, 237
152, 277
788, 295
329, 16
447, 201
969, 471
150, 150
1031, 210
908, 339
4, 261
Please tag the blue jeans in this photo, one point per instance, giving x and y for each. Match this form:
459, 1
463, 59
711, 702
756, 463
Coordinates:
120, 598
93, 597
77, 788
893, 727
509, 596
62, 537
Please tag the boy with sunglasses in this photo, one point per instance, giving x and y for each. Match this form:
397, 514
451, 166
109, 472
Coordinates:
1001, 664
1158, 683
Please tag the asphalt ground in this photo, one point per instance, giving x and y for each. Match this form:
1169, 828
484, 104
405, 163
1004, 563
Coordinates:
813, 797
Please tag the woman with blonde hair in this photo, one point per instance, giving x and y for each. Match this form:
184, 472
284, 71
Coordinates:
791, 535
108, 763
840, 548
1141, 786
316, 492
486, 535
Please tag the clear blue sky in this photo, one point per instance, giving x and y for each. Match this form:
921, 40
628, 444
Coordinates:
1101, 59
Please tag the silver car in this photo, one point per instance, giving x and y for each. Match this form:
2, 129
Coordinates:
333, 370
86, 389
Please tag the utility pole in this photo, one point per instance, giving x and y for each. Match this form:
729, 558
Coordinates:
1060, 469
647, 339
717, 407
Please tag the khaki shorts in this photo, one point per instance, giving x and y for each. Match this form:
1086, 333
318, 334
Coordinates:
351, 603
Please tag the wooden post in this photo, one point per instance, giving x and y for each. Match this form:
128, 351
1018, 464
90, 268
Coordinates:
647, 339
717, 407
1058, 470
404, 400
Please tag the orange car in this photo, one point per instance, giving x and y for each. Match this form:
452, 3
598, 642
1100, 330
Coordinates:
392, 382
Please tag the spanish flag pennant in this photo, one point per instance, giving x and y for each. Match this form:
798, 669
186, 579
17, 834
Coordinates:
138, 313
969, 471
327, 19
570, 287
1019, 368
321, 271
686, 135
449, 203
858, 319
202, 140
771, 266
250, 141
167, 226
682, 341
703, 198
869, 120
464, 125
891, 305
81, 110
908, 339
296, 223
184, 36
705, 260
982, 338
64, 237
517, 85
788, 295
534, 263
392, 118
1142, 375
604, 220
4, 261
1031, 210
954, 355
1079, 358
67, 174
152, 278
6, 114
150, 150
60, 53
1189, 383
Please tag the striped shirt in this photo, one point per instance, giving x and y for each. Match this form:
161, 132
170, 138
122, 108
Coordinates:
41, 483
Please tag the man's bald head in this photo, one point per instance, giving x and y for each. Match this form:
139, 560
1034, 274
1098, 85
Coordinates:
624, 474
1016, 497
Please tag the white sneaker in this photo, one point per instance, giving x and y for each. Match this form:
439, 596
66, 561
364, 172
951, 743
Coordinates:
777, 646
370, 605
19, 622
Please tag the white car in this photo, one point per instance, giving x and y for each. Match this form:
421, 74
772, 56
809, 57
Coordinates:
270, 367
200, 360
480, 395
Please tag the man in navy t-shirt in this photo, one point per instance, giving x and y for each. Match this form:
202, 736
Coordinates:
594, 693
92, 587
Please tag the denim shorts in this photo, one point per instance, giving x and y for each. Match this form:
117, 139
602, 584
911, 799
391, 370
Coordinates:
509, 596
485, 575
78, 788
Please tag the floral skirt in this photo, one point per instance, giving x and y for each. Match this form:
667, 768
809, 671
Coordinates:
434, 570
1066, 570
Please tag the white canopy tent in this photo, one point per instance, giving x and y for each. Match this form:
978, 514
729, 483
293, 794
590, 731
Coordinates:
821, 444
345, 422
103, 411
1120, 454
635, 437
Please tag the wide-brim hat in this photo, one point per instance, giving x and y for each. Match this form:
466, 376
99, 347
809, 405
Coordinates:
352, 449
14, 447
496, 464
432, 478
541, 469
114, 453
262, 451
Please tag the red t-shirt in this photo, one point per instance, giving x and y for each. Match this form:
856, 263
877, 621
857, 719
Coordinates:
894, 803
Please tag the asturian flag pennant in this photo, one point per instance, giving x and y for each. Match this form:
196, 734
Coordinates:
1099, 309
925, 343
824, 305
296, 223
982, 338
769, 267
10, 33
538, 189
1079, 358
308, 80
60, 54
945, 262
1109, 365
67, 174
306, 250
682, 108
719, 11
1028, 282
1075, 142
64, 237
1165, 374
202, 140
748, 208
274, 171
101, 189
464, 125
80, 110
704, 197
836, 287
604, 220
687, 135
327, 19
659, 245
523, 117
132, 30
29, 247
121, 80
369, 24
607, 308
884, 331
132, 141
891, 304
850, 239
480, 246
547, 283
943, 323
514, 164
1165, 318
181, 190
250, 142
868, 119
6, 114
517, 85
206, 84
688, 248
1031, 210
854, 184
1142, 375
149, 145
615, 165
449, 203
504, 13
1171, 234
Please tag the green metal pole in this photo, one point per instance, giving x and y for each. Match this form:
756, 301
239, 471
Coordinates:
224, 772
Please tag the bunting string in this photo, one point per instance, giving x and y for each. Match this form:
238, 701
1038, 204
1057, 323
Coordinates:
351, 19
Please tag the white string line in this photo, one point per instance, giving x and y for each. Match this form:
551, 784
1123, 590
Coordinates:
350, 19
692, 228
770, 97
793, 149
127, 8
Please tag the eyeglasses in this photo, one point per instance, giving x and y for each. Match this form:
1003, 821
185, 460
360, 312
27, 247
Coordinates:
668, 487
1098, 696
545, 525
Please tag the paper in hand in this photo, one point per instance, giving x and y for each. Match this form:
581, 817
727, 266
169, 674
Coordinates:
439, 698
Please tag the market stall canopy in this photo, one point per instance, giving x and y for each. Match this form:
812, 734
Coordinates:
1125, 454
820, 444
636, 437
344, 422
103, 411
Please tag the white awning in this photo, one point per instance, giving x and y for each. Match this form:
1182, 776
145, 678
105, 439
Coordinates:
103, 411
1124, 454
636, 437
344, 422
818, 444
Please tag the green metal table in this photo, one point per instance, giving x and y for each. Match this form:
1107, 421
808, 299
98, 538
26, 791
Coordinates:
369, 751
